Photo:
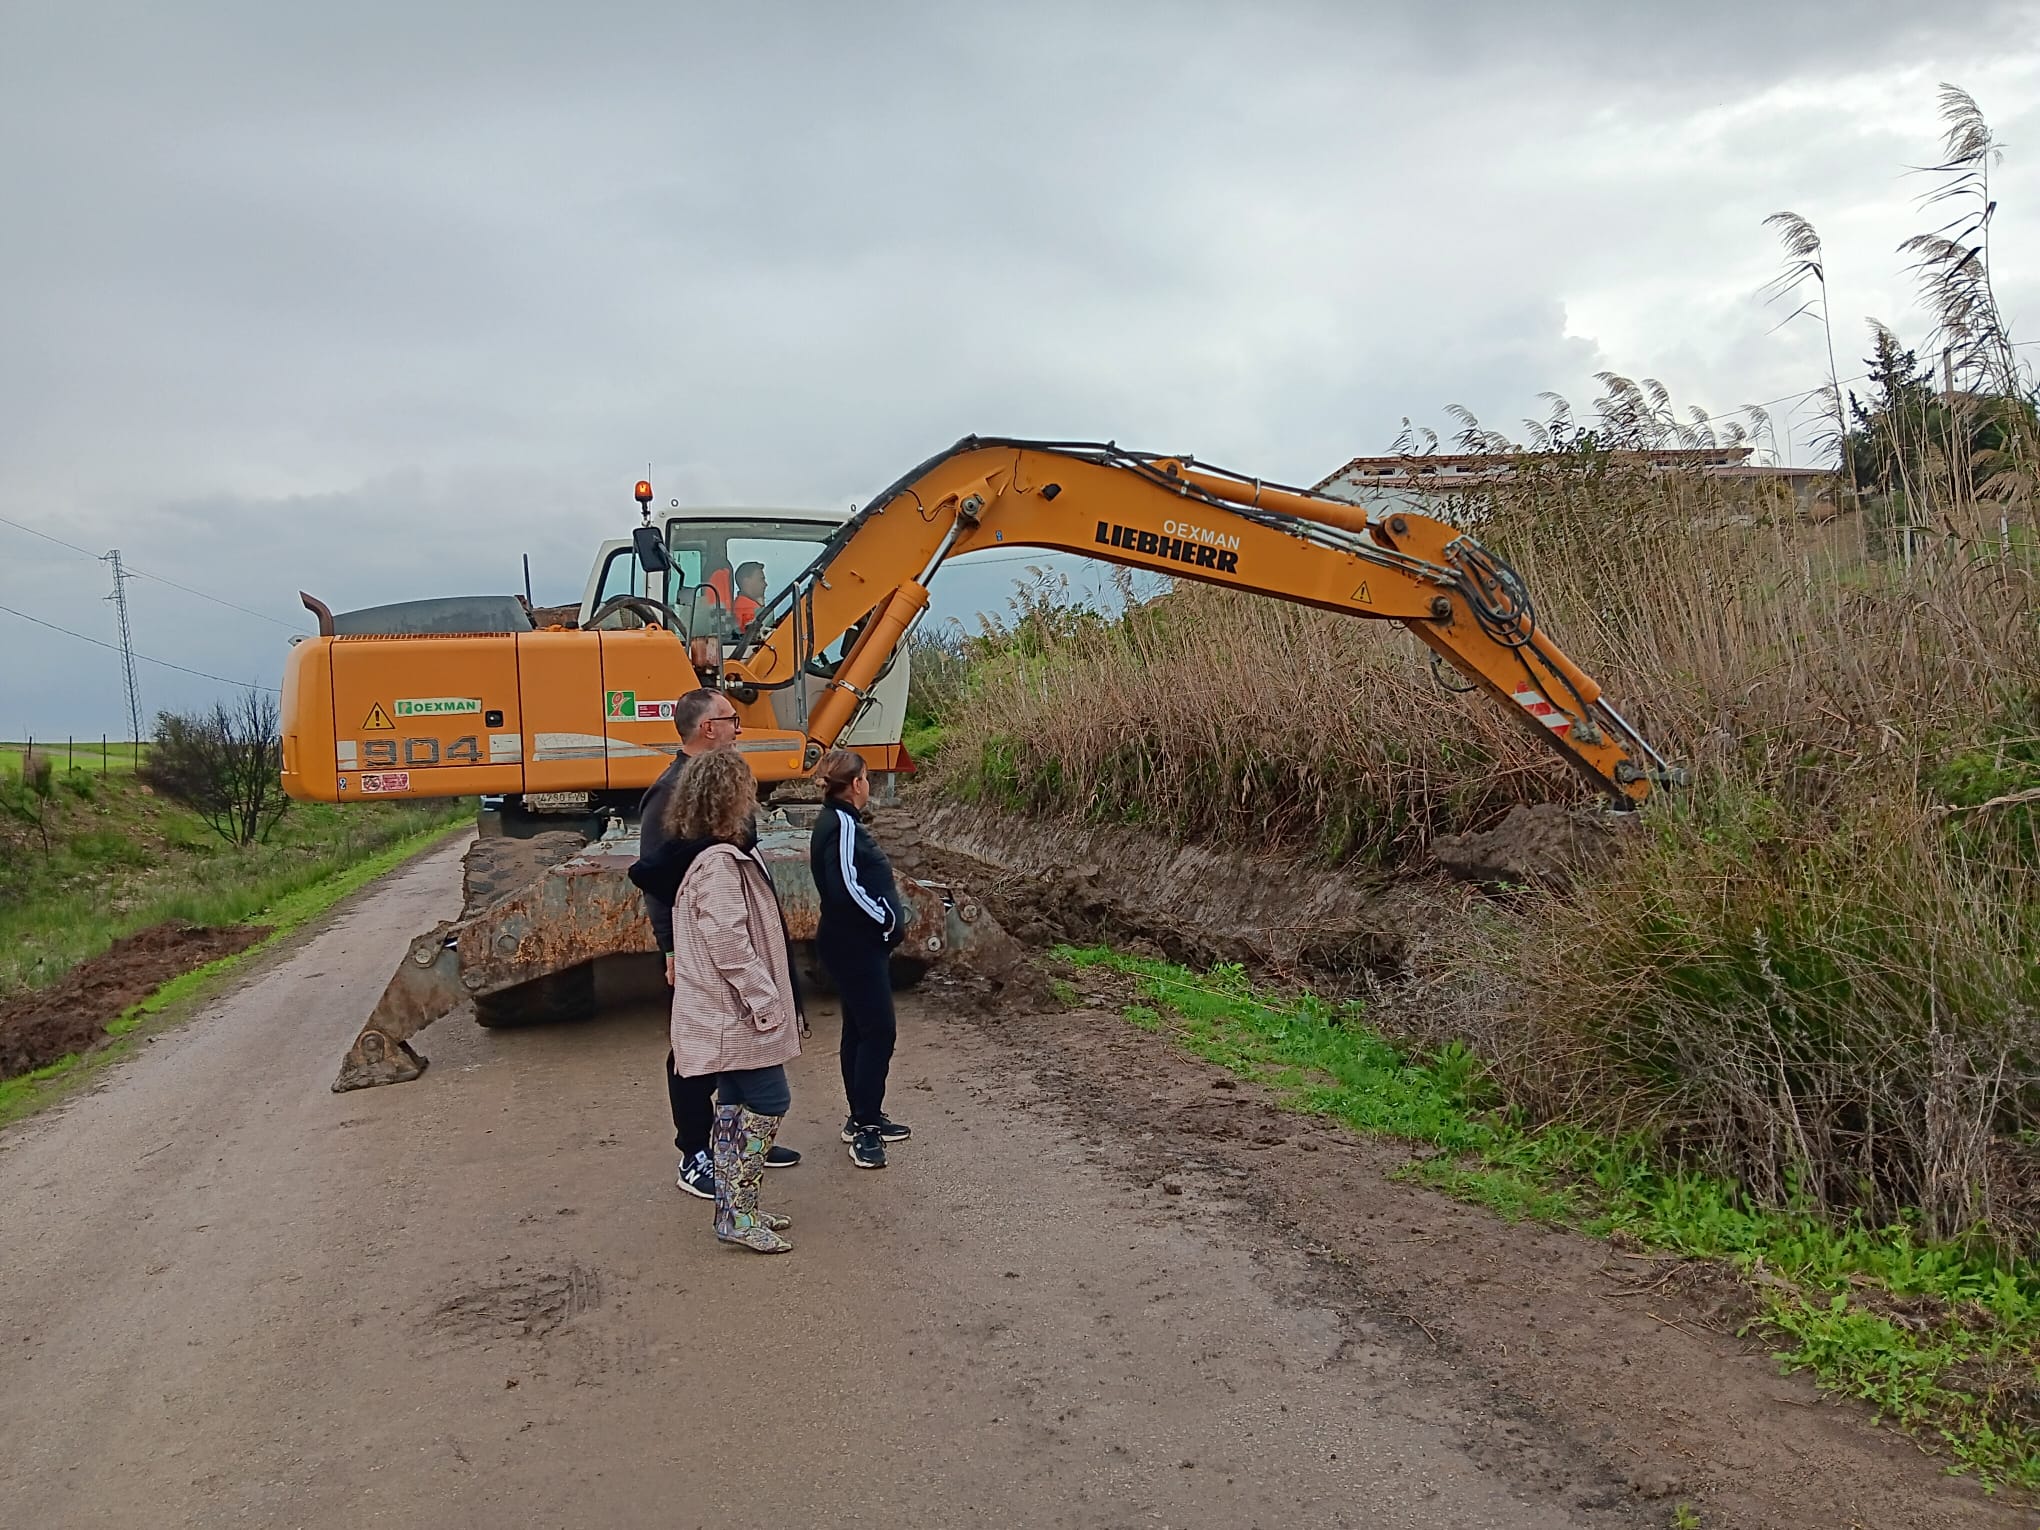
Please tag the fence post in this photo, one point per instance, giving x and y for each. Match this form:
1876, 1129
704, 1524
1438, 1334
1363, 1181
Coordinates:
102, 754
70, 745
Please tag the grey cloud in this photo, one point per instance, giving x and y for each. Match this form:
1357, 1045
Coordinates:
370, 299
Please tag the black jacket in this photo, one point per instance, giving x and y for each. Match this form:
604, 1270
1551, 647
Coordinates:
859, 900
662, 862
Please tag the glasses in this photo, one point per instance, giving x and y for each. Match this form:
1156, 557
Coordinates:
731, 719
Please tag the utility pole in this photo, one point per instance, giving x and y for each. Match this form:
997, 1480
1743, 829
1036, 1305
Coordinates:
127, 647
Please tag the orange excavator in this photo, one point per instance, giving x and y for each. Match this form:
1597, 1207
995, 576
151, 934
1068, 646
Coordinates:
517, 714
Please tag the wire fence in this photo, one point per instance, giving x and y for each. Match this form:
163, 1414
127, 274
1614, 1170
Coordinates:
101, 756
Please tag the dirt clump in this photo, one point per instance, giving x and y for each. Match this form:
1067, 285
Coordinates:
1544, 844
71, 1015
496, 867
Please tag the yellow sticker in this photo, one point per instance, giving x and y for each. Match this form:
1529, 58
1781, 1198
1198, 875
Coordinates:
1363, 595
378, 721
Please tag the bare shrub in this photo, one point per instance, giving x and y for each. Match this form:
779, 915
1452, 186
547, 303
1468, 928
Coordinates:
27, 798
225, 765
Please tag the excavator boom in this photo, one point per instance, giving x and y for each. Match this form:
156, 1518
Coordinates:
1175, 516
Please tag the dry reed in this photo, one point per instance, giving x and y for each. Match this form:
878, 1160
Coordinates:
1811, 972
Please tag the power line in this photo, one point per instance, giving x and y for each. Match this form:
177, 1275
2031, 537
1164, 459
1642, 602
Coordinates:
18, 526
142, 573
115, 648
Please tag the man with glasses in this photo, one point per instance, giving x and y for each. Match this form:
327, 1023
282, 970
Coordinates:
705, 720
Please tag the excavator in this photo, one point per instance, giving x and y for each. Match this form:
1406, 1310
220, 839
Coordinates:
522, 716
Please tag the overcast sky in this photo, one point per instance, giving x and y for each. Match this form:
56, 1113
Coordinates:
368, 299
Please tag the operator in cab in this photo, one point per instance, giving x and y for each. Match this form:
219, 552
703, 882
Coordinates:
750, 593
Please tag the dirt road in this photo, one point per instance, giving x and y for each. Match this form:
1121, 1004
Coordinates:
230, 1296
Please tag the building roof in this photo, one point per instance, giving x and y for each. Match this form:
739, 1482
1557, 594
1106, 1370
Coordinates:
1441, 473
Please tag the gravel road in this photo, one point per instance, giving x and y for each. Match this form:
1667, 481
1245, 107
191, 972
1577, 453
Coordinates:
229, 1296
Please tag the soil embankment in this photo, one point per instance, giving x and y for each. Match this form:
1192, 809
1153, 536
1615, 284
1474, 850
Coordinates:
1196, 903
71, 1015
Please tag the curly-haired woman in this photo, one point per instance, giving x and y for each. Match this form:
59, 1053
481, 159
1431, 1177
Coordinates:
736, 1010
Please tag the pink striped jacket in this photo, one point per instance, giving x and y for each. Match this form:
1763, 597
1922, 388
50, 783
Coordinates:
733, 994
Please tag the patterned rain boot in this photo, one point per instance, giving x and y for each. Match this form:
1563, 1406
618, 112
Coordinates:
755, 1229
726, 1153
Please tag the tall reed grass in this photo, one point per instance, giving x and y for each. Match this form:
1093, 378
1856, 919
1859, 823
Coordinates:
1817, 969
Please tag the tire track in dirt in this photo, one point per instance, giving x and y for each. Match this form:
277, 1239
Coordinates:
1549, 1335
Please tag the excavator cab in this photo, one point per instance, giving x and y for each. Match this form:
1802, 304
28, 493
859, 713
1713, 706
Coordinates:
706, 548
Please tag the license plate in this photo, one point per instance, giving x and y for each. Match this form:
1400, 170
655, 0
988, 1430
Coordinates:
556, 802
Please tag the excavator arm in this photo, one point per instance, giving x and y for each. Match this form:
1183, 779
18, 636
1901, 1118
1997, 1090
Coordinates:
1183, 518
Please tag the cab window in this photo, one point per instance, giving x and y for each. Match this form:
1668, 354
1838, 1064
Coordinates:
715, 558
620, 576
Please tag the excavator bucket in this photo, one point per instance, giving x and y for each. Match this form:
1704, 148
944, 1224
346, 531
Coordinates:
540, 913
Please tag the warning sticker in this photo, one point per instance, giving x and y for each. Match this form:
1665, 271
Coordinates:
386, 781
378, 720
438, 706
1364, 595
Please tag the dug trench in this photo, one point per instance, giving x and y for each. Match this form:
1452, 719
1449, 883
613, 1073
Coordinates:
1633, 1361
71, 1015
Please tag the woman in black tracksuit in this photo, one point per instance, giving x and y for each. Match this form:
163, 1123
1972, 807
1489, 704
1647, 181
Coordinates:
863, 918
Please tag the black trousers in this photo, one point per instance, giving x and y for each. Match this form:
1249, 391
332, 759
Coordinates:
693, 1102
864, 982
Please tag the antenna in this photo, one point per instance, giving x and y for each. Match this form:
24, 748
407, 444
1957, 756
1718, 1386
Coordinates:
127, 647
527, 579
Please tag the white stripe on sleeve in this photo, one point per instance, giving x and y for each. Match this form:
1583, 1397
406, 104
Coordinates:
846, 839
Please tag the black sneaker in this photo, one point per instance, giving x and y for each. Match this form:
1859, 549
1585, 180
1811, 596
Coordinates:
777, 1157
867, 1150
697, 1176
888, 1129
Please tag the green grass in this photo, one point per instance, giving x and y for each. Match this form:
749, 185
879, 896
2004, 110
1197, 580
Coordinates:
286, 912
1938, 1338
75, 754
922, 737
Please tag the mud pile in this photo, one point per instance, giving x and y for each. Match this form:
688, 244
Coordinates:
71, 1015
1047, 882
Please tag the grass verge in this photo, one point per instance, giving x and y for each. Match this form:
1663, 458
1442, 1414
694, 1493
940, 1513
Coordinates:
288, 911
119, 858
1937, 1337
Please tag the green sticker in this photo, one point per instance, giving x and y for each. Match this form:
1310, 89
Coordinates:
622, 705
